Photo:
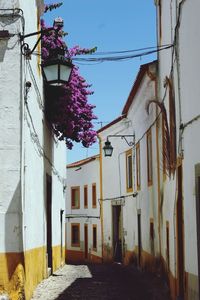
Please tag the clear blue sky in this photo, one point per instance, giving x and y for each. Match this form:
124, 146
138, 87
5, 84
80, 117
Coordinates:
110, 26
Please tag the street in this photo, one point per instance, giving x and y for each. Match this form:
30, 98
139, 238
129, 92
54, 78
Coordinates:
101, 282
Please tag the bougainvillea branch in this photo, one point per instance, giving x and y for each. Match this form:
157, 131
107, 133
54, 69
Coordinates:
49, 7
67, 108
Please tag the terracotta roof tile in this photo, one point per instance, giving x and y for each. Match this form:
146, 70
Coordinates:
82, 162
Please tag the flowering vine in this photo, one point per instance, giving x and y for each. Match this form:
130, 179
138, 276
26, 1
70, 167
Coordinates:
67, 108
49, 7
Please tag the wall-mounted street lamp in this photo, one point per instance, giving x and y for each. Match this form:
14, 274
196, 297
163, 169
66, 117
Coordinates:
108, 148
56, 71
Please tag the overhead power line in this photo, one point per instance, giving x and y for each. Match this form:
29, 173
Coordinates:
114, 56
127, 51
122, 55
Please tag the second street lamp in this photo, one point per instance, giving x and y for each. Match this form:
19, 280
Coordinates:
108, 148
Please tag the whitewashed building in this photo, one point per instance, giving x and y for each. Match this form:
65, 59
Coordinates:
129, 190
32, 162
156, 222
83, 213
179, 90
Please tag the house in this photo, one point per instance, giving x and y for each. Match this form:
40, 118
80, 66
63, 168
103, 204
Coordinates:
129, 177
32, 179
150, 191
179, 90
83, 211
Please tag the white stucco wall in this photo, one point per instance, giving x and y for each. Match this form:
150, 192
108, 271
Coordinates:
190, 108
27, 144
187, 91
10, 93
114, 173
85, 174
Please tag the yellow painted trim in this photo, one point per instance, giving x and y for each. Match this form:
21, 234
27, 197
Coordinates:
58, 257
78, 189
94, 195
149, 159
21, 273
138, 167
101, 192
39, 45
85, 188
129, 153
35, 269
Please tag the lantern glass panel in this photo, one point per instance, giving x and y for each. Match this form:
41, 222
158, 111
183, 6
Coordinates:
108, 150
51, 72
65, 72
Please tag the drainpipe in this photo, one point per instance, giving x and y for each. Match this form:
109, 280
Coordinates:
101, 192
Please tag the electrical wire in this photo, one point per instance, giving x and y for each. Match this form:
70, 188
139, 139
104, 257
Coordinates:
81, 216
114, 55
128, 51
39, 98
32, 129
40, 149
118, 57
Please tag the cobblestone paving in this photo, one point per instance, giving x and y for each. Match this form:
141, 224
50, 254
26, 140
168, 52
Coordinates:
101, 282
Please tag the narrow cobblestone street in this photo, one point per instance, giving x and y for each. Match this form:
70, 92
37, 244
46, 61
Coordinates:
102, 282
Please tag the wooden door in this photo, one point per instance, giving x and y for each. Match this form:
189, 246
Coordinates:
117, 232
86, 240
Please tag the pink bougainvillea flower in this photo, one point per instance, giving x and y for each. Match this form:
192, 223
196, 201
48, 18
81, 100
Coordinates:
68, 109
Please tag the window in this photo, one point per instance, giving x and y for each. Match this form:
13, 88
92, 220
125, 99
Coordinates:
94, 195
129, 171
149, 158
94, 237
85, 196
138, 165
75, 197
75, 235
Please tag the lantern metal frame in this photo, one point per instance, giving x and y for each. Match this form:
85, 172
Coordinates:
25, 49
108, 145
59, 60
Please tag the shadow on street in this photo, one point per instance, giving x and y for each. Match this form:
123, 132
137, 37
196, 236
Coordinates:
116, 282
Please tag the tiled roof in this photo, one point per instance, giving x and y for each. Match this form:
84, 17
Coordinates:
143, 69
83, 161
111, 123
